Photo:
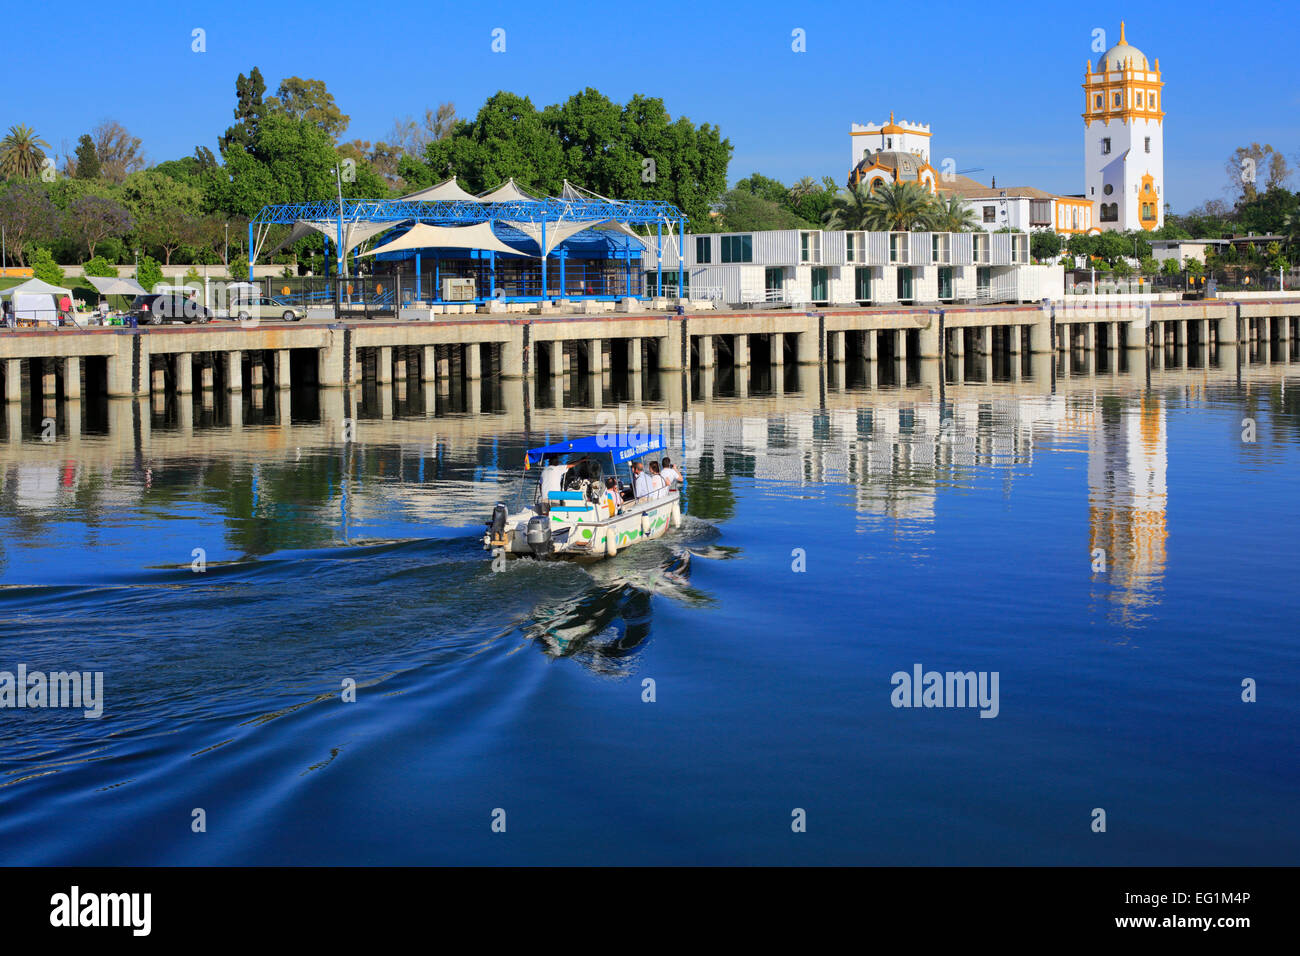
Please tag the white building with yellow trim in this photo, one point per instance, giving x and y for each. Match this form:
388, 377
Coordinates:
891, 152
1124, 155
1123, 158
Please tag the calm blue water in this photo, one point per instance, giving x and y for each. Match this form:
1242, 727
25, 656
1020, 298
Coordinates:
954, 528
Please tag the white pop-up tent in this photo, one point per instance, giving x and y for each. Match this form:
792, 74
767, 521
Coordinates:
111, 285
35, 300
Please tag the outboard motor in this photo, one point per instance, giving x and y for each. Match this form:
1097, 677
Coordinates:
497, 527
539, 536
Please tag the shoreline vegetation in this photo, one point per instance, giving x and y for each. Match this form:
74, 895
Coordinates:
104, 205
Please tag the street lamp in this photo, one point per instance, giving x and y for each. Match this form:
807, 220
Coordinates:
137, 265
225, 255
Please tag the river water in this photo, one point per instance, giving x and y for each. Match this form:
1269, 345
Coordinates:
1116, 544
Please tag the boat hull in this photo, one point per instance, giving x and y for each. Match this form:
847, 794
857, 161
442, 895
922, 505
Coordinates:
583, 534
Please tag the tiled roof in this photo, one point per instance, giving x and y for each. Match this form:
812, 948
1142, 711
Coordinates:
967, 188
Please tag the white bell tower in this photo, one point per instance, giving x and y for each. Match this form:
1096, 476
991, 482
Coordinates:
1124, 155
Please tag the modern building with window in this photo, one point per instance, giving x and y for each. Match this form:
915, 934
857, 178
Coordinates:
817, 267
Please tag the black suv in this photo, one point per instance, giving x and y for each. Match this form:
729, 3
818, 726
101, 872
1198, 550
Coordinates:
156, 308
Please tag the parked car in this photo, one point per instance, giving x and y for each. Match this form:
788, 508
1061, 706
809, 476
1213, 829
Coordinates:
265, 307
156, 308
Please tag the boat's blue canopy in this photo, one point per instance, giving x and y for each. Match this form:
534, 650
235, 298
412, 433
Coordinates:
623, 447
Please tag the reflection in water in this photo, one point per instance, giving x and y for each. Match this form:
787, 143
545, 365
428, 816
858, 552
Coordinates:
603, 627
270, 470
944, 520
1128, 497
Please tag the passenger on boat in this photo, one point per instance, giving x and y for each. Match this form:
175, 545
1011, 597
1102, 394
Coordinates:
658, 487
613, 500
640, 481
552, 479
671, 474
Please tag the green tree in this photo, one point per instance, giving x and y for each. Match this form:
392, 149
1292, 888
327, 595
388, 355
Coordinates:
1193, 266
742, 211
1267, 213
202, 171
249, 108
87, 158
1170, 230
850, 209
149, 273
765, 187
27, 215
814, 207
100, 267
952, 214
594, 145
506, 140
1113, 246
1149, 266
309, 100
1083, 245
162, 208
44, 267
1169, 267
900, 207
801, 190
690, 161
92, 219
1044, 244
22, 153
637, 151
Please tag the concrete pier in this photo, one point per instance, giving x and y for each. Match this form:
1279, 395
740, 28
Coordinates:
123, 362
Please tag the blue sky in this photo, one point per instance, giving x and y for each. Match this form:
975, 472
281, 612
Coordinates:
999, 84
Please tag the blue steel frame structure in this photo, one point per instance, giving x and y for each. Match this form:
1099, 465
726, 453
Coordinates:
631, 212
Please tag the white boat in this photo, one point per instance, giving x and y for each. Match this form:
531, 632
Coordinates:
570, 515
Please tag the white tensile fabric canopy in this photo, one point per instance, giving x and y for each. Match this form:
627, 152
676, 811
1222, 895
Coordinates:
424, 236
557, 232
111, 285
354, 233
448, 191
508, 191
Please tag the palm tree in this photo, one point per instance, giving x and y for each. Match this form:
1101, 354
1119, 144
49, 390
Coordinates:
899, 207
22, 153
849, 209
951, 214
802, 190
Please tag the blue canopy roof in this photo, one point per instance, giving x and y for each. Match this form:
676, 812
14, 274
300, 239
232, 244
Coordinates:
623, 447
